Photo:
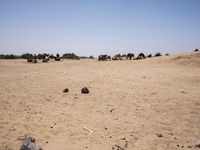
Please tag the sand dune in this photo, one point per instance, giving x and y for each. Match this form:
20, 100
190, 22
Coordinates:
145, 104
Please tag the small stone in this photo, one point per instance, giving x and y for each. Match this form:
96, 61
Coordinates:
197, 144
66, 90
112, 110
177, 145
51, 127
159, 135
47, 142
106, 128
189, 146
8, 148
84, 90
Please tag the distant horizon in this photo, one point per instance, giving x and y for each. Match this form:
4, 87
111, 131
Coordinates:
100, 54
88, 27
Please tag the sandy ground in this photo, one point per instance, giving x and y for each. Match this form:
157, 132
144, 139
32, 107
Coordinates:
151, 104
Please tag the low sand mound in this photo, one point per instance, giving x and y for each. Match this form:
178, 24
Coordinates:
188, 59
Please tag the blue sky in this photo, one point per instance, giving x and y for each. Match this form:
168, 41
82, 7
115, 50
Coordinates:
93, 27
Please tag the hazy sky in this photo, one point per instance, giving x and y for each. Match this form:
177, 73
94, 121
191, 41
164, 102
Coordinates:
92, 27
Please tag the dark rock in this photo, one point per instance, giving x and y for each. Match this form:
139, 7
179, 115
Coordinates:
141, 56
197, 144
84, 90
112, 110
66, 90
159, 135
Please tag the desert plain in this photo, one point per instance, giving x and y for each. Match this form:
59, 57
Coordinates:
150, 104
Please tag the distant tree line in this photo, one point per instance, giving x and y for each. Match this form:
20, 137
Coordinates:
42, 56
70, 56
11, 56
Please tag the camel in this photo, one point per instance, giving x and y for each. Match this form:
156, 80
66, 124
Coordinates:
149, 56
45, 58
117, 57
29, 60
34, 60
124, 56
104, 58
141, 56
130, 56
158, 54
57, 58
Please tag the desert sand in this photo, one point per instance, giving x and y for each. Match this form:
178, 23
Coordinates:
150, 104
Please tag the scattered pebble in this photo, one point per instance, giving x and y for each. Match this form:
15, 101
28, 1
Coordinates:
197, 144
84, 90
159, 135
66, 90
112, 110
123, 138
